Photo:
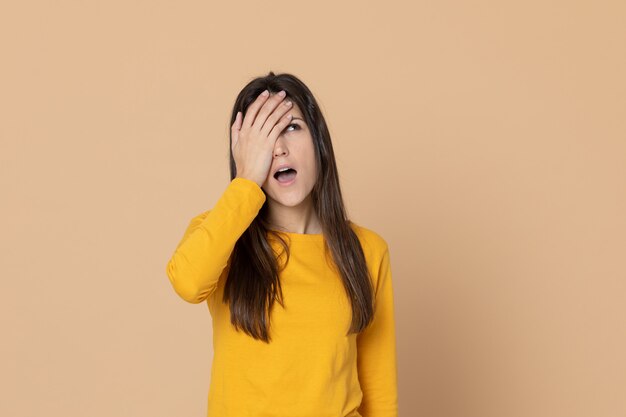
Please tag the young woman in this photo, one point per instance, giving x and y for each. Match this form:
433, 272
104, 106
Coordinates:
301, 298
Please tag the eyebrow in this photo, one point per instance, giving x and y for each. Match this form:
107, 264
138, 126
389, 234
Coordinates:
296, 118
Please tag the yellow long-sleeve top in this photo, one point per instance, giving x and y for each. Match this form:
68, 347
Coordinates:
310, 368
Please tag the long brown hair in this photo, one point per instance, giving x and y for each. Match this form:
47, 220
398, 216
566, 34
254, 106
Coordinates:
252, 285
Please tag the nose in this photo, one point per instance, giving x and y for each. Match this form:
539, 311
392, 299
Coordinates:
280, 148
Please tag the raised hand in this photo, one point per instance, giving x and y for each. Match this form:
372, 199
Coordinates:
253, 139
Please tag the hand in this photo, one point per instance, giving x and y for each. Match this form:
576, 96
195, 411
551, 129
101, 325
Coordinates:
253, 140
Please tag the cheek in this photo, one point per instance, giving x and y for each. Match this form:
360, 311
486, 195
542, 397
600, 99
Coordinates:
310, 154
311, 166
305, 153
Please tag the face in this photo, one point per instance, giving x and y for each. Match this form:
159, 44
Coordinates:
294, 147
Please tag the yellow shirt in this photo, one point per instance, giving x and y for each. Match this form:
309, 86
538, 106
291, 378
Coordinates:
310, 368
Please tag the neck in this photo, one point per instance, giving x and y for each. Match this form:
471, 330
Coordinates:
298, 219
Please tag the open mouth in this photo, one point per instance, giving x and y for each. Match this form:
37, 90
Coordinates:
286, 176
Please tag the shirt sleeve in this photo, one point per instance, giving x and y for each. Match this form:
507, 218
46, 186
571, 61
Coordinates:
376, 351
203, 252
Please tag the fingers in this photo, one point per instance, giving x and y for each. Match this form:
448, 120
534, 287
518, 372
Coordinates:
253, 109
276, 115
279, 127
263, 113
266, 110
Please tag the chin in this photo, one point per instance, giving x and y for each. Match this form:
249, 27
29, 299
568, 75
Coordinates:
288, 200
286, 197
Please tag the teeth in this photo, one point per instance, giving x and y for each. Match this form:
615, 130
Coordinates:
281, 170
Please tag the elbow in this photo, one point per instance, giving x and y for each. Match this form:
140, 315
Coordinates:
192, 296
184, 284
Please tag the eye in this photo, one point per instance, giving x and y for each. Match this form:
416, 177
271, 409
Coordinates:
293, 124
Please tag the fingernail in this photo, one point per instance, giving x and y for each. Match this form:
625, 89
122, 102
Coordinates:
265, 93
282, 93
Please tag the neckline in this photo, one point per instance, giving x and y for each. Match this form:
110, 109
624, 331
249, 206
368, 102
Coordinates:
301, 236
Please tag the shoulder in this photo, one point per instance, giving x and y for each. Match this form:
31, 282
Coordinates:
373, 243
375, 250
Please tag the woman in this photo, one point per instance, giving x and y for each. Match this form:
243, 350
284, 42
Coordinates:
279, 232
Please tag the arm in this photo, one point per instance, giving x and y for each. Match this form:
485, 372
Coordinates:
204, 250
376, 351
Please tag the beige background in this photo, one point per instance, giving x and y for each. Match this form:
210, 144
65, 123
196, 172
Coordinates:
485, 141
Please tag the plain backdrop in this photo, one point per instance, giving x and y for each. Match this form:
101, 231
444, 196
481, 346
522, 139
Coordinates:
485, 141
